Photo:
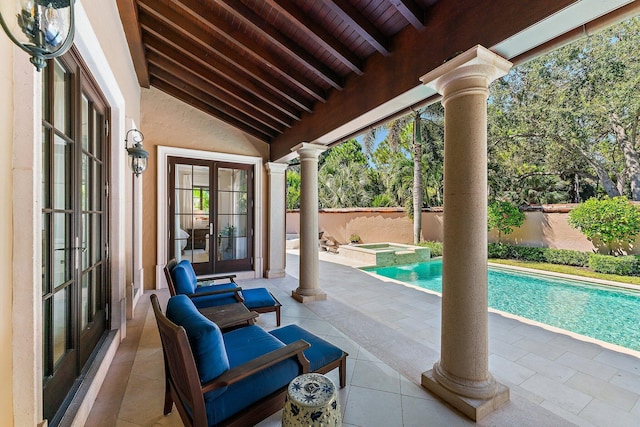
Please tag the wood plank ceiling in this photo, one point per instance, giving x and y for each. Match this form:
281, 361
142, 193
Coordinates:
259, 65
288, 71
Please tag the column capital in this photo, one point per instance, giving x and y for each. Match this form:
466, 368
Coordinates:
309, 150
276, 168
476, 63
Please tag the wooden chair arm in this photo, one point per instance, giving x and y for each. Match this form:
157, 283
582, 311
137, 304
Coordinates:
237, 319
259, 363
218, 292
214, 277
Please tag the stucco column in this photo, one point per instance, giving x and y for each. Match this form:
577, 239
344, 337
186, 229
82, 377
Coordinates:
276, 256
461, 376
309, 289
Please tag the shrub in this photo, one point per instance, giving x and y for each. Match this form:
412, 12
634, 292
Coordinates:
436, 247
567, 257
610, 220
503, 216
623, 265
527, 253
498, 251
381, 201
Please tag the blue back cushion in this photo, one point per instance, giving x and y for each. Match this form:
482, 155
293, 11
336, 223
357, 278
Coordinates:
205, 338
184, 279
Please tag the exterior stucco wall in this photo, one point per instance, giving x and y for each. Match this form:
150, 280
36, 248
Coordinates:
548, 229
372, 225
101, 43
166, 121
6, 231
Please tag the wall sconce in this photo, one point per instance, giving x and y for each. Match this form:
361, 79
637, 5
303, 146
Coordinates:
139, 156
42, 28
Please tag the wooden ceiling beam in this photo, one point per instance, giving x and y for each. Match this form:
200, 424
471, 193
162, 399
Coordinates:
244, 44
415, 53
292, 13
412, 12
228, 92
129, 16
165, 70
360, 25
186, 45
221, 111
222, 76
155, 14
281, 42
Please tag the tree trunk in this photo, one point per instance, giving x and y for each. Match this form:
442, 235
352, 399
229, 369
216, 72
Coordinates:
417, 179
631, 159
607, 183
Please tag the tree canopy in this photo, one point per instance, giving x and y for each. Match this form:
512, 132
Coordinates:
562, 127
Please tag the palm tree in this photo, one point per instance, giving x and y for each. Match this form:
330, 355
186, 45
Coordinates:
429, 120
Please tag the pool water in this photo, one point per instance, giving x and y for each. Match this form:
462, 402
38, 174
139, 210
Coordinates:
608, 314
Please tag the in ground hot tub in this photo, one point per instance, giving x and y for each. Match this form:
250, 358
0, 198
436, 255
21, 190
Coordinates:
384, 254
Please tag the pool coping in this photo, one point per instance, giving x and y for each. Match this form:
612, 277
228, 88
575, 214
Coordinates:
605, 344
603, 282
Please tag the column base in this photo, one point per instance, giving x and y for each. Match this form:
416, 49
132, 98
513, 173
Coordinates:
275, 273
319, 296
475, 409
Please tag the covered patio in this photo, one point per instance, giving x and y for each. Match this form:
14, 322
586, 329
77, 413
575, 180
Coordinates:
247, 86
392, 334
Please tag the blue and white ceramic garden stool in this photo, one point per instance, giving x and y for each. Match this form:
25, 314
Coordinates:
311, 401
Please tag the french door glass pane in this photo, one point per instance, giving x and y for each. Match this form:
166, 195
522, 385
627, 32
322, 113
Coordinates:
191, 214
61, 101
85, 123
62, 248
46, 105
60, 323
96, 148
62, 159
84, 303
96, 290
46, 162
97, 183
46, 252
232, 213
84, 185
96, 250
86, 230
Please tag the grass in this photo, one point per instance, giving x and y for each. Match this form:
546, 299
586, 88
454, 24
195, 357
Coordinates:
567, 269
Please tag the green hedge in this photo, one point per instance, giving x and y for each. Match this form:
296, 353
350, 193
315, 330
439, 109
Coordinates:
622, 265
499, 251
537, 254
567, 257
436, 247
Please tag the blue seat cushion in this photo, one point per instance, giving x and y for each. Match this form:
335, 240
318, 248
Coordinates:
243, 345
319, 354
258, 297
205, 338
213, 300
183, 278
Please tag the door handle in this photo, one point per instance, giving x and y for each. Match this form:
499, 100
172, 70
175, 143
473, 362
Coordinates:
82, 248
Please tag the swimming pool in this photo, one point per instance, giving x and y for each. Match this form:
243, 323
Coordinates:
608, 314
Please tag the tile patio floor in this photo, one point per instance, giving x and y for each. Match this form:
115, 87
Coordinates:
392, 335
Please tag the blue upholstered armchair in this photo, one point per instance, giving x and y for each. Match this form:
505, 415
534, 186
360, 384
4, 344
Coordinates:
238, 377
207, 291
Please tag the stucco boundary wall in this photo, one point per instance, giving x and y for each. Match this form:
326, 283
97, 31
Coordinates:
544, 226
